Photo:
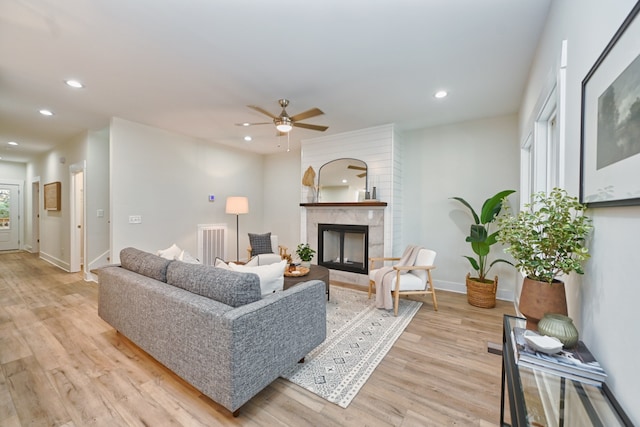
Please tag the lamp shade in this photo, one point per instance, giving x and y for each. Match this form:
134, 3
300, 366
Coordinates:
237, 205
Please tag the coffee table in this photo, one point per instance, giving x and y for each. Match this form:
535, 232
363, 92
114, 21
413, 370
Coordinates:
316, 272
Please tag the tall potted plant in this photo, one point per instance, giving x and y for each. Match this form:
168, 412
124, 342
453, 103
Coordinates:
481, 292
547, 239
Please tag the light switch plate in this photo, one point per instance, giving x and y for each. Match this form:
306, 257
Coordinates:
135, 219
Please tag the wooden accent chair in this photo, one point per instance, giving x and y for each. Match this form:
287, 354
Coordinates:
417, 280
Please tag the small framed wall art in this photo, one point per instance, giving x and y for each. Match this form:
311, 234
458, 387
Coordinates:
52, 196
610, 137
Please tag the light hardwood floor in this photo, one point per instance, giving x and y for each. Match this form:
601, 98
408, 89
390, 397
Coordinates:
61, 365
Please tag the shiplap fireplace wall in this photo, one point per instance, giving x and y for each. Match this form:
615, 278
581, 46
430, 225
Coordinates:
379, 148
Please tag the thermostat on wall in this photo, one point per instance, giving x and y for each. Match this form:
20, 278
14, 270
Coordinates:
212, 198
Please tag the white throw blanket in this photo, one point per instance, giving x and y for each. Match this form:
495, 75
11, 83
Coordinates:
384, 277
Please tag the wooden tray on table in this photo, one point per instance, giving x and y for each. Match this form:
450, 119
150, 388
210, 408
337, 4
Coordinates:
298, 272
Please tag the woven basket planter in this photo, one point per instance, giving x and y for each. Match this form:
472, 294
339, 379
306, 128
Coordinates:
481, 294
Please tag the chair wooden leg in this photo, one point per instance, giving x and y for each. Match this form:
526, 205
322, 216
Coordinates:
396, 302
371, 284
433, 291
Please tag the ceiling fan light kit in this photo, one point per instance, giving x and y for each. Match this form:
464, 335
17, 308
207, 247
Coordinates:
283, 124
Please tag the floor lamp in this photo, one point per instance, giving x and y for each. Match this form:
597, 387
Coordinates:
237, 206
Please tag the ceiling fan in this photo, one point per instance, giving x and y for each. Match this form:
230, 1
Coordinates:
284, 123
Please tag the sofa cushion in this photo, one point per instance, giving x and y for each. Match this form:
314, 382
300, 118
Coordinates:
228, 287
144, 263
260, 243
271, 275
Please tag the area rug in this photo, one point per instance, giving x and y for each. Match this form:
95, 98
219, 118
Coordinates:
358, 337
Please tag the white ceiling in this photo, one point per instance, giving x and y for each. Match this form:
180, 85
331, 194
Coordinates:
193, 66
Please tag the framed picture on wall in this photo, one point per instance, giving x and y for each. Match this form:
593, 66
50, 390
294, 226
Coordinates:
52, 196
610, 137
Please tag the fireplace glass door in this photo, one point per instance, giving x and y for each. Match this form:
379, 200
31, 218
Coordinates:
343, 247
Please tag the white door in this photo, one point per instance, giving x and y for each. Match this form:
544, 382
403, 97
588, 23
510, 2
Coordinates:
9, 217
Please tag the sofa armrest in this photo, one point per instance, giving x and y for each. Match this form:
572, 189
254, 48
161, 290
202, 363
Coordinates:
273, 334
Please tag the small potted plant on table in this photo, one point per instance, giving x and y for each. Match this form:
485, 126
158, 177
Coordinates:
305, 253
547, 239
481, 292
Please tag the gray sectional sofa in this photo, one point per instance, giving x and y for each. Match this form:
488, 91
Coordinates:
211, 326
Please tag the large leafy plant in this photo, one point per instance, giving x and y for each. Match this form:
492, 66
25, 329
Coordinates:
548, 237
480, 235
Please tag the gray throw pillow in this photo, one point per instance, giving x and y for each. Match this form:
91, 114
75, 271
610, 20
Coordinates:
228, 287
144, 263
260, 244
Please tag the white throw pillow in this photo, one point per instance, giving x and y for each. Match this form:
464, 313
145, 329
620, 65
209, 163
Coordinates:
221, 264
271, 276
170, 253
263, 259
188, 258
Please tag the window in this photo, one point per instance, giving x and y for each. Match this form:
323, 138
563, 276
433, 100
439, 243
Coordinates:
542, 154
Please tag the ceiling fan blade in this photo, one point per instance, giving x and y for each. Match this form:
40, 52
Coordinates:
312, 127
253, 124
360, 168
307, 114
362, 175
262, 110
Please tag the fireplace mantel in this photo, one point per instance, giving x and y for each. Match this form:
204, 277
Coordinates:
344, 204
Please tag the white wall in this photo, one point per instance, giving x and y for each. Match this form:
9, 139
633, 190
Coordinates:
473, 160
97, 199
281, 185
13, 170
603, 301
55, 226
166, 178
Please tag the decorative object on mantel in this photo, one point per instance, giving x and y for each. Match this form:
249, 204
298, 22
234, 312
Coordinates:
481, 292
309, 180
547, 238
305, 253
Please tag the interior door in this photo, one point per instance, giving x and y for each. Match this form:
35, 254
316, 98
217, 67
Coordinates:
9, 217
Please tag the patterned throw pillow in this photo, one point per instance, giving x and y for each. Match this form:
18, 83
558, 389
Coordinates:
260, 243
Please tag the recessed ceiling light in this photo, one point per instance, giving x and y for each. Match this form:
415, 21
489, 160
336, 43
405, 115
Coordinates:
344, 181
247, 138
246, 124
440, 94
74, 83
12, 143
46, 112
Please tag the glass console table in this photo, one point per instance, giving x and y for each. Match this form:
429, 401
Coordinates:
537, 398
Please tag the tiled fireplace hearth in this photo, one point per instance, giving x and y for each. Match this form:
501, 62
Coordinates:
370, 216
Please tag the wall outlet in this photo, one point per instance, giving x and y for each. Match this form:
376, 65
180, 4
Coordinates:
135, 219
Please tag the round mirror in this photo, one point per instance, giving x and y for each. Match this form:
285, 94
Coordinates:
342, 180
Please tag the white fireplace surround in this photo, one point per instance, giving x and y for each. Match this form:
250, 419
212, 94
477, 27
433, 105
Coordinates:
379, 148
371, 216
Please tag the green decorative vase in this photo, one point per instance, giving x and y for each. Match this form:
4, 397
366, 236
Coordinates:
559, 326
